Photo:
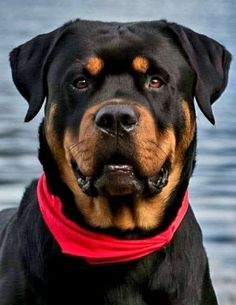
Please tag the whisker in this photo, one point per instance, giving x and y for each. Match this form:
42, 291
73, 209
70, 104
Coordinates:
157, 146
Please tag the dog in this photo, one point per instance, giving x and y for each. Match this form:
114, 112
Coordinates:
109, 220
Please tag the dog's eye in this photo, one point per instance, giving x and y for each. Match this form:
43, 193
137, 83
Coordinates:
155, 83
80, 83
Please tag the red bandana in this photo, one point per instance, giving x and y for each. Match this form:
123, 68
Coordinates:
98, 248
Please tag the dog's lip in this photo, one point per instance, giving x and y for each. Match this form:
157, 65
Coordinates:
149, 185
125, 169
156, 183
119, 168
118, 180
116, 163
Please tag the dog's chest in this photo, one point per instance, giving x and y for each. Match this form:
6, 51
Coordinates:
117, 284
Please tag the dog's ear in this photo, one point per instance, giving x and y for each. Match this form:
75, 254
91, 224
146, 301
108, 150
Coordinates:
210, 61
29, 64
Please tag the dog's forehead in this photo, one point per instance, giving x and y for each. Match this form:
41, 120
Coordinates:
97, 44
113, 33
115, 41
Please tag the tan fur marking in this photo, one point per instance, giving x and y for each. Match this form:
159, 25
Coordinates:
94, 65
124, 220
59, 152
149, 212
190, 126
88, 138
140, 64
97, 212
152, 147
49, 128
54, 143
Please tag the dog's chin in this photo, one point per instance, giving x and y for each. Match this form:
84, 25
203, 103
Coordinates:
123, 180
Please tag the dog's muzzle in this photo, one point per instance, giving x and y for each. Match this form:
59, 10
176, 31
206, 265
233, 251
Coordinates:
117, 173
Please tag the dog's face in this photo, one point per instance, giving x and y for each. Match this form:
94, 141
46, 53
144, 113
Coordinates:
120, 119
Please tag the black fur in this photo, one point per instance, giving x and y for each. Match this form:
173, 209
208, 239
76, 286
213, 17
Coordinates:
33, 271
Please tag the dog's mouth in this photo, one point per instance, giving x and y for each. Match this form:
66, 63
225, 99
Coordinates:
118, 176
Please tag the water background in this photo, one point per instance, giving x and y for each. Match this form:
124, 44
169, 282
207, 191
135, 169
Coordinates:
213, 187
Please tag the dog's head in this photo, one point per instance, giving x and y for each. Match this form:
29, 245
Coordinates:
119, 115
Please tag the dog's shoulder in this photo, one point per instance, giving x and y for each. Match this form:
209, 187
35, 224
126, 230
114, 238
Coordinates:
12, 279
5, 217
16, 224
12, 224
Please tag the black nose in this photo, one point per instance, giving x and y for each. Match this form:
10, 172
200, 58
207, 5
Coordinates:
112, 118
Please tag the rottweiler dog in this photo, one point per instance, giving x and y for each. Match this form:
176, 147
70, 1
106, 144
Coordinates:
109, 221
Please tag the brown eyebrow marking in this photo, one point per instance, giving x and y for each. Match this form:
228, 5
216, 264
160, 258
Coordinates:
140, 64
94, 65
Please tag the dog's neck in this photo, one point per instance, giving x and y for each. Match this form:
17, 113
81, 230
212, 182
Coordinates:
94, 247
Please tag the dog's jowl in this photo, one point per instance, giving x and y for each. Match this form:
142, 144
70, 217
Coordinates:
109, 221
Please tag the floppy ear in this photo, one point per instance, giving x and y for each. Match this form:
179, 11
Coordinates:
29, 64
210, 61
